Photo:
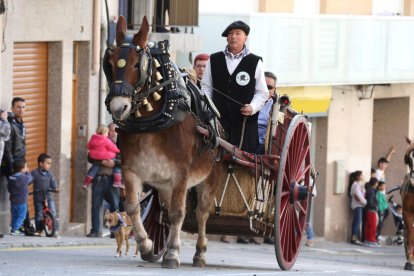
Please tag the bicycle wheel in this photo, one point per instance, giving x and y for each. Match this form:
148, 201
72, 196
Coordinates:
49, 224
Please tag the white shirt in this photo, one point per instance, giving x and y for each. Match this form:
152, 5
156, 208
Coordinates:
261, 93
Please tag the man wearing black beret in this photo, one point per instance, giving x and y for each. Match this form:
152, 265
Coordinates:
238, 74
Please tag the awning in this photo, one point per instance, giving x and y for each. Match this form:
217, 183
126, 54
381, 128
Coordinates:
312, 101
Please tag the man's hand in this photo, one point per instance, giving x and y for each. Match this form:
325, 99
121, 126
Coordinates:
247, 110
108, 163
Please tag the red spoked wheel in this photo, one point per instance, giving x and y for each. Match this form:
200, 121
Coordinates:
157, 231
292, 192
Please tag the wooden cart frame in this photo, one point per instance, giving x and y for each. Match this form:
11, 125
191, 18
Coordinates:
284, 182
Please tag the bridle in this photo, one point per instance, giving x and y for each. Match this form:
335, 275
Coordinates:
118, 86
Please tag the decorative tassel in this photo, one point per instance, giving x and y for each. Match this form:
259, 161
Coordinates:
149, 107
137, 114
156, 63
158, 76
144, 101
156, 96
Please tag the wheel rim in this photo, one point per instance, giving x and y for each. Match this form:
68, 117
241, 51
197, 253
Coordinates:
291, 203
48, 224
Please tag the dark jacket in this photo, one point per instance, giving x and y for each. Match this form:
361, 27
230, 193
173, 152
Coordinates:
18, 187
42, 182
371, 197
15, 147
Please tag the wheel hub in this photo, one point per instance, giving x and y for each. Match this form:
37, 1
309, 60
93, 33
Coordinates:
297, 192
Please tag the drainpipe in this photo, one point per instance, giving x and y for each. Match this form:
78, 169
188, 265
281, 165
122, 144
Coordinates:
96, 39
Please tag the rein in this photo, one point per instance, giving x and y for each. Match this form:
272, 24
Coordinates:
218, 91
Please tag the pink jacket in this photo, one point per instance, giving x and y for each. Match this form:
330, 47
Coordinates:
101, 147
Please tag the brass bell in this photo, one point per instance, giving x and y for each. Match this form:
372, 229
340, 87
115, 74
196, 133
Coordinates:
137, 114
149, 107
144, 101
156, 96
156, 63
158, 76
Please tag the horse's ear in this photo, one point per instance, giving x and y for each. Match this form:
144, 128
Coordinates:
408, 140
141, 37
120, 30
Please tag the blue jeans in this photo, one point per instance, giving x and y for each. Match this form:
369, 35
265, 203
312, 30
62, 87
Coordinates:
18, 215
39, 212
102, 189
356, 222
93, 171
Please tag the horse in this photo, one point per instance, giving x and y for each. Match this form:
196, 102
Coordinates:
407, 199
158, 140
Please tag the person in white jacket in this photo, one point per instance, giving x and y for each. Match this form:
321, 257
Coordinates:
358, 202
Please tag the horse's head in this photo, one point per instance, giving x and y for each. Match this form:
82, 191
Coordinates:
409, 156
128, 69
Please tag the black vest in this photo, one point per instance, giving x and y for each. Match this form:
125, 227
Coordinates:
239, 86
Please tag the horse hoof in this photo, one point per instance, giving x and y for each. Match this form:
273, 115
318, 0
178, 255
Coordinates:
199, 262
149, 255
409, 266
170, 263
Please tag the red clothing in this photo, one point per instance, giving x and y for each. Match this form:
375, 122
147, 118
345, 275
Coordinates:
101, 147
371, 226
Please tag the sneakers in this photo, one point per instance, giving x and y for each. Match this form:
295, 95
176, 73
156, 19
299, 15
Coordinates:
118, 185
380, 238
16, 233
355, 241
1, 235
243, 239
93, 234
225, 239
56, 235
309, 243
38, 233
371, 244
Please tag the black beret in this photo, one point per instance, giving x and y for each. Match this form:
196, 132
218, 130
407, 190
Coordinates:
236, 25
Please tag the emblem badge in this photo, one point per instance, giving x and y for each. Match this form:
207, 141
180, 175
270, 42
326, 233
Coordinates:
242, 78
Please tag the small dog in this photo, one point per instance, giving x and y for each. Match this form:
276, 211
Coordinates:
120, 224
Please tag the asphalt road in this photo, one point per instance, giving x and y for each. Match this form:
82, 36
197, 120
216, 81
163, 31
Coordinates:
46, 256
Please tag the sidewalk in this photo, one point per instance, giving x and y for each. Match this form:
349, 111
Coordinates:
22, 241
320, 245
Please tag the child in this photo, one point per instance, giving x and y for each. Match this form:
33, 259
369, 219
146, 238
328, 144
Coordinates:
102, 148
358, 201
17, 186
371, 219
43, 181
382, 208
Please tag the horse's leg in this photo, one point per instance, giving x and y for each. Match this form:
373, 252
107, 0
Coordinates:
205, 195
133, 186
408, 234
176, 214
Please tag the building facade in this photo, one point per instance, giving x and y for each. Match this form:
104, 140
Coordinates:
348, 66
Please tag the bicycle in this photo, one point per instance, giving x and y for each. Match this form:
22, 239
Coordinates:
49, 222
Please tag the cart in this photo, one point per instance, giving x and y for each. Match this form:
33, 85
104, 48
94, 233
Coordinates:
261, 196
